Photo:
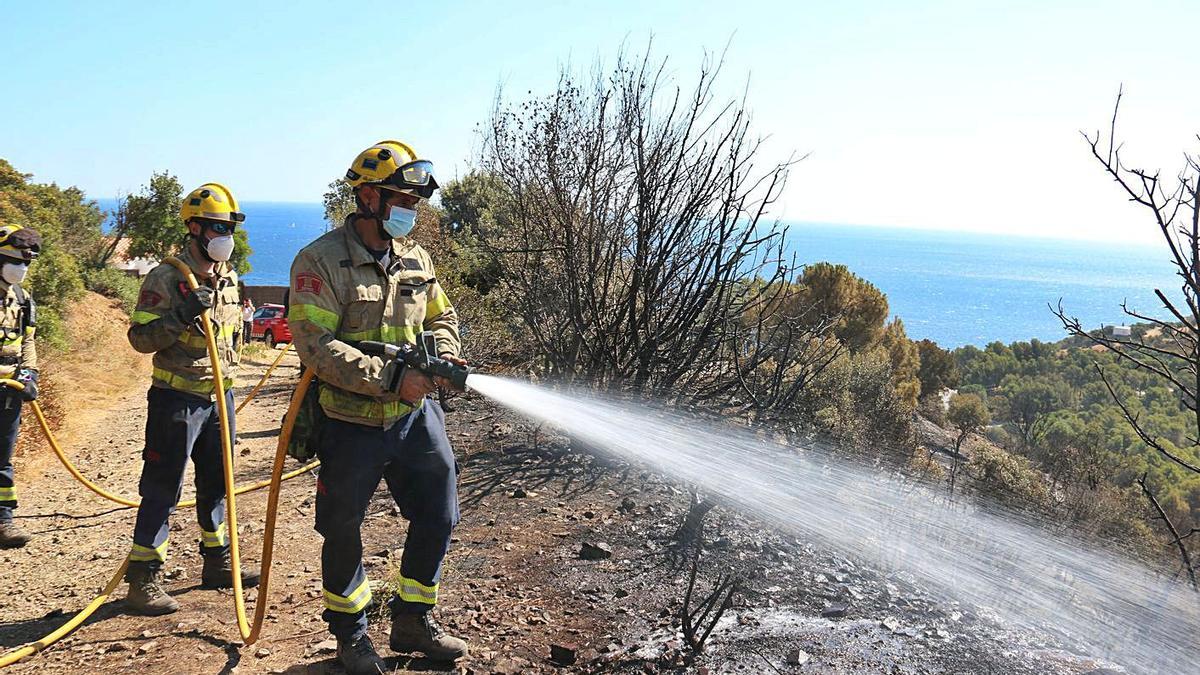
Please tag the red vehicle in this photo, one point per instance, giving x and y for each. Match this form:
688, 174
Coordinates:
270, 324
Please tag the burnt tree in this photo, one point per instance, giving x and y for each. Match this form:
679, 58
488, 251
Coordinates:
640, 253
1173, 356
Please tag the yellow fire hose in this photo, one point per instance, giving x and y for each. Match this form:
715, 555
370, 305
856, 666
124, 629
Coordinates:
261, 382
249, 633
65, 629
188, 503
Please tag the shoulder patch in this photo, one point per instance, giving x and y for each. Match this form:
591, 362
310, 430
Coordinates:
149, 298
412, 264
307, 282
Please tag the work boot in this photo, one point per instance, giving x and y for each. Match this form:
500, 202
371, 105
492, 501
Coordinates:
145, 595
218, 572
420, 633
12, 536
359, 656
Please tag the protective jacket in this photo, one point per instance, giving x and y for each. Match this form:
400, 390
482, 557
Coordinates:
17, 327
180, 352
341, 295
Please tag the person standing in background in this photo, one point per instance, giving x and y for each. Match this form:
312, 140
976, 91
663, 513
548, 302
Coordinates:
247, 320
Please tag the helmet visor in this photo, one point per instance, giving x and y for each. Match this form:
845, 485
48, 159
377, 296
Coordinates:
415, 177
417, 174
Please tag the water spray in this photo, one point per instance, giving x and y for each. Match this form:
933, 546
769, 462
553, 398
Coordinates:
1098, 602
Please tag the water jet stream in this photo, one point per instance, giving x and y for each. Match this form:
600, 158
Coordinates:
1096, 602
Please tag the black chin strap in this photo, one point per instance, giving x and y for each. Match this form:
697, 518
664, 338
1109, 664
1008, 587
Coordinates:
377, 216
200, 244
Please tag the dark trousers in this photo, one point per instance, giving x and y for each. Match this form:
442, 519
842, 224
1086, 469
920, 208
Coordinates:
10, 422
179, 426
415, 458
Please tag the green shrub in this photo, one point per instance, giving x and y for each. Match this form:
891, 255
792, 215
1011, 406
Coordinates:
51, 332
70, 229
1008, 477
54, 280
999, 436
854, 403
114, 284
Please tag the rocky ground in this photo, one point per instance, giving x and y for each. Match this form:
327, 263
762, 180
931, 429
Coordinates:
558, 553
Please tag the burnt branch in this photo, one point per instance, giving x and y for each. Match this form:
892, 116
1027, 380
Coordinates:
1176, 539
698, 621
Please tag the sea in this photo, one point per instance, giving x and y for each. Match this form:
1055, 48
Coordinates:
954, 288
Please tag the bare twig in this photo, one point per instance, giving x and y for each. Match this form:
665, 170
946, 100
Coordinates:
1176, 539
698, 623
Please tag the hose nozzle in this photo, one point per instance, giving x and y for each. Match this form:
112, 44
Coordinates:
421, 356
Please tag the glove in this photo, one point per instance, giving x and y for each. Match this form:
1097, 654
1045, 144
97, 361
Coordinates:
195, 303
410, 384
28, 378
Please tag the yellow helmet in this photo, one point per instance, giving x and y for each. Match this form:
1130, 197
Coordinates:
19, 243
393, 165
211, 201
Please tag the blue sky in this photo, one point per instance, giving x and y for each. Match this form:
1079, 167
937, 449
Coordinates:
950, 115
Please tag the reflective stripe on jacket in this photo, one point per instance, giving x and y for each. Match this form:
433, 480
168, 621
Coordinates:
341, 295
180, 351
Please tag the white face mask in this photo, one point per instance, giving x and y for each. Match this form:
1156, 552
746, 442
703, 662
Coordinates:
14, 273
220, 248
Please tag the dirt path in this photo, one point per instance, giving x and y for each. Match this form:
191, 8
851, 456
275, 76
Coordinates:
81, 539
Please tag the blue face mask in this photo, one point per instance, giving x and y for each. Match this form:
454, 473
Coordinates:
400, 222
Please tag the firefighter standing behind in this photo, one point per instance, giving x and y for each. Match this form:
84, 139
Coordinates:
363, 281
181, 416
18, 360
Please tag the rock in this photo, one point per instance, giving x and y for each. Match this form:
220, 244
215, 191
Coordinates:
597, 551
177, 573
563, 656
628, 504
511, 666
589, 514
797, 657
620, 593
146, 647
374, 561
262, 653
891, 623
114, 647
500, 430
835, 611
518, 493
325, 647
